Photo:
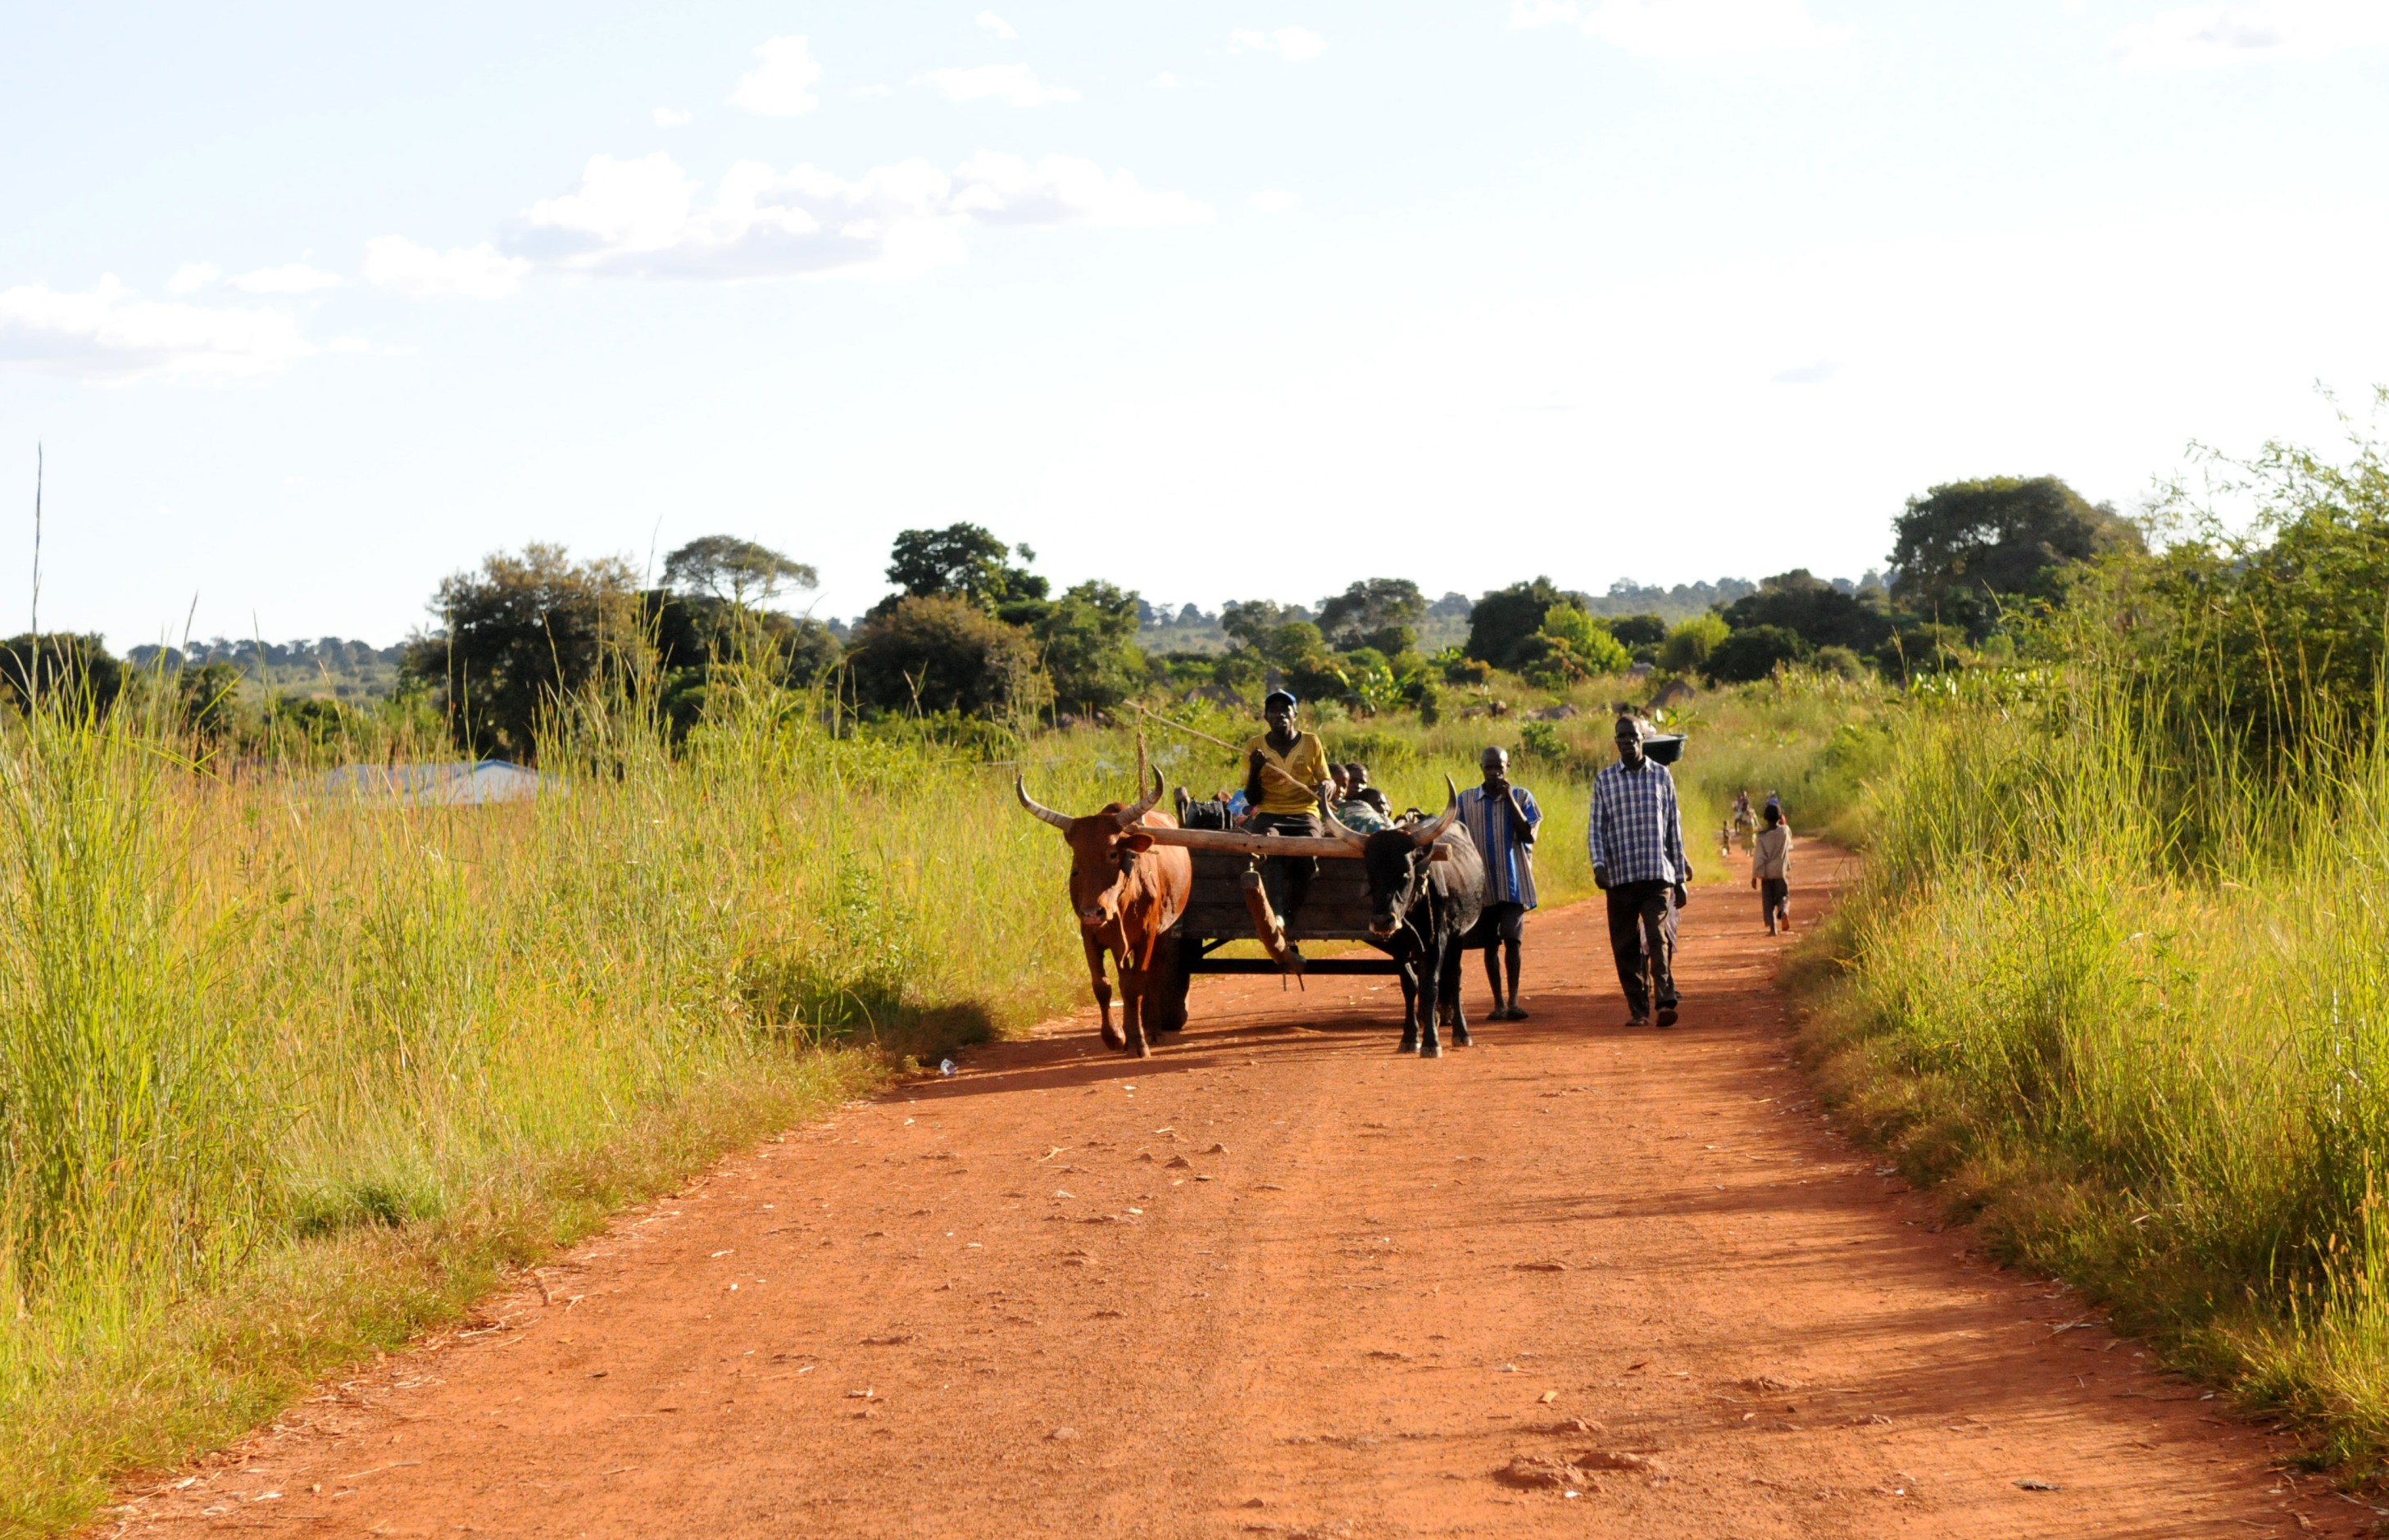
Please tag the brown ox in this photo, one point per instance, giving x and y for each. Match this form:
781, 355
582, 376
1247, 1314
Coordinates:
1127, 892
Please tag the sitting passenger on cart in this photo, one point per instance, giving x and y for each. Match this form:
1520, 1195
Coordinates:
1287, 778
1358, 789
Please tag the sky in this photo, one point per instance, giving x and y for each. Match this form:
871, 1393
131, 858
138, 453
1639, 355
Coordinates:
308, 307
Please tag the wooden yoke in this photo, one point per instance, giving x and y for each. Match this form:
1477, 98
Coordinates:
1267, 926
1238, 842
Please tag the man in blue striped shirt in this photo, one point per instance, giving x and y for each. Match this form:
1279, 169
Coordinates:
1501, 818
1636, 839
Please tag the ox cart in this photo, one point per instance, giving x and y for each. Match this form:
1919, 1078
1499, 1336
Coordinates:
1221, 910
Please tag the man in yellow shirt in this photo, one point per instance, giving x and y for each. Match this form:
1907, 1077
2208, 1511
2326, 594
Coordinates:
1285, 779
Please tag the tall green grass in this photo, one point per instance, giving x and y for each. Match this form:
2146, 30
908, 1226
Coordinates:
2125, 989
283, 1076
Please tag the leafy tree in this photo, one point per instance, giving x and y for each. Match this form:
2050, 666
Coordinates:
1922, 648
1839, 661
2274, 628
1639, 631
939, 654
1280, 634
739, 572
209, 698
1965, 546
962, 561
697, 635
1688, 647
1250, 623
1753, 654
61, 669
1503, 623
523, 632
1820, 613
1570, 648
1088, 639
1380, 613
317, 719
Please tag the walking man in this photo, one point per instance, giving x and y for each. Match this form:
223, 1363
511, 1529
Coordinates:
1636, 839
1501, 818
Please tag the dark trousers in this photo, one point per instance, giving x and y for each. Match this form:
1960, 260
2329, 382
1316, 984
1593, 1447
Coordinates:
1774, 899
1286, 878
1642, 916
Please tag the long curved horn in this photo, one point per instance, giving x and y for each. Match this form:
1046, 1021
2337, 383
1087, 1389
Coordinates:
1336, 826
1130, 817
1428, 834
1020, 789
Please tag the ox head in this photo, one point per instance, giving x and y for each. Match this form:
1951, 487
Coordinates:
1398, 862
1103, 847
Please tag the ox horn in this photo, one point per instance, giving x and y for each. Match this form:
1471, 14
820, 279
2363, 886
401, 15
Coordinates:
1352, 837
1020, 789
1428, 834
1130, 816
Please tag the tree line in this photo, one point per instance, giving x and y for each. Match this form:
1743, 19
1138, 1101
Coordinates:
971, 631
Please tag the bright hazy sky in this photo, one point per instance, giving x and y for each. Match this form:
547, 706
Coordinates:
313, 304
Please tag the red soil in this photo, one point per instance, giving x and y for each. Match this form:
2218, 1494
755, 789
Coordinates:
1280, 1281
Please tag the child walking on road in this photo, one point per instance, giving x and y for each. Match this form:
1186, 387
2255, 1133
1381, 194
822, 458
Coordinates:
1770, 869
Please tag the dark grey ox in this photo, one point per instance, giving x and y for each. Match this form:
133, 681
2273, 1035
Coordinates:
1420, 909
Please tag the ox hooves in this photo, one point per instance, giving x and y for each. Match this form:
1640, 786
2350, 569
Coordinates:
1410, 1043
1460, 1038
1112, 1038
1430, 1050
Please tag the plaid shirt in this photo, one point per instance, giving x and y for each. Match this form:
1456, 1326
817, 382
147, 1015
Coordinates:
1635, 833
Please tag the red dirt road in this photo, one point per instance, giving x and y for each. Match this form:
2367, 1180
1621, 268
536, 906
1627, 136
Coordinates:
1279, 1281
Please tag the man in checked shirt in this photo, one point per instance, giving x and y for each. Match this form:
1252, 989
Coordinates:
1636, 839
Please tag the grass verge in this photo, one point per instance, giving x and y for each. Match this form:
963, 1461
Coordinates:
2155, 1066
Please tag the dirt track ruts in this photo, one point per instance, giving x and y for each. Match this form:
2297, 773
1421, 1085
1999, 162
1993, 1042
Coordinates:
1279, 1281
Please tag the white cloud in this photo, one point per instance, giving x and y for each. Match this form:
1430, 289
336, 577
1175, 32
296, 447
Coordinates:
109, 332
1294, 45
1166, 81
1274, 200
291, 278
465, 272
1805, 374
667, 117
1013, 85
996, 25
2199, 36
1061, 189
1686, 29
192, 277
780, 85
645, 218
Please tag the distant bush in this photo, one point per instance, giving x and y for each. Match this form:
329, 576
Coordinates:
1753, 653
1688, 647
60, 667
930, 655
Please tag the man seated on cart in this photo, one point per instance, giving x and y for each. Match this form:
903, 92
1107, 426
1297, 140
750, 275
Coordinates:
1287, 778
